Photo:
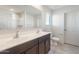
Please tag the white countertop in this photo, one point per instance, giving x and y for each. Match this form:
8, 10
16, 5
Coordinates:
9, 42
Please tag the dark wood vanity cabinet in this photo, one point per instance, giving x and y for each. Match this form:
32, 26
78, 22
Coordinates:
47, 45
33, 50
44, 44
42, 47
39, 45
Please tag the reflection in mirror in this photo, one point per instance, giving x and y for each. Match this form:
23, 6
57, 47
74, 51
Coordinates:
7, 20
17, 18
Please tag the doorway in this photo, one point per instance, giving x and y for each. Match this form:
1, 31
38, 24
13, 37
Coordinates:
72, 28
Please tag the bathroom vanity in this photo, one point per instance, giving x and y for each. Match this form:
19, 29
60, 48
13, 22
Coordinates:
35, 43
20, 31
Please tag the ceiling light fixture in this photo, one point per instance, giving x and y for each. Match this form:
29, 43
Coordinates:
37, 7
11, 9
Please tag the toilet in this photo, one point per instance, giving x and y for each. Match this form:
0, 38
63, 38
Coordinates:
55, 40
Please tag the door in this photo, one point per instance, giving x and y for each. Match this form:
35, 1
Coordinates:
72, 28
58, 26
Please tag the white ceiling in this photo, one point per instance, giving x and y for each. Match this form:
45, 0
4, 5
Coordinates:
55, 7
29, 9
21, 8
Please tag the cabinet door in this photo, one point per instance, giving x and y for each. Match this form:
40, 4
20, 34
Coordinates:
41, 47
33, 50
47, 45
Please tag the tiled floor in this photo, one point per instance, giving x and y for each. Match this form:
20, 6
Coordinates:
63, 49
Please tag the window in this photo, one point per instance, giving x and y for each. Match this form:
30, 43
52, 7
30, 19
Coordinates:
13, 16
47, 19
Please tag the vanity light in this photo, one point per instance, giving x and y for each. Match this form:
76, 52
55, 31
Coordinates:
11, 9
39, 7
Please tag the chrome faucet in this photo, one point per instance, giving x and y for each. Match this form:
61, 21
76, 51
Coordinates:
38, 30
17, 34
18, 30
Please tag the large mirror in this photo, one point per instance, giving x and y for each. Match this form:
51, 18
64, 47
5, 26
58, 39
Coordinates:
17, 17
13, 15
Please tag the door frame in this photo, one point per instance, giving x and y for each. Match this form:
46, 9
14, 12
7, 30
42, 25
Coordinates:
65, 27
